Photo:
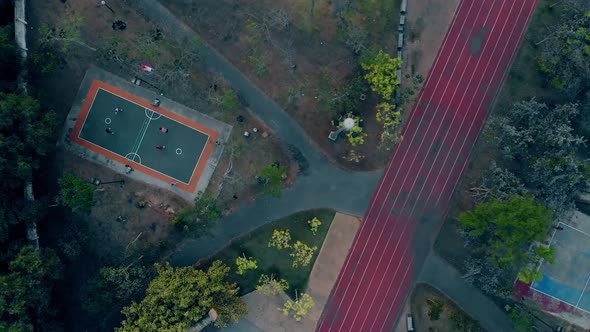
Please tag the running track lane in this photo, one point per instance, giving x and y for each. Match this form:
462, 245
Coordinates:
413, 196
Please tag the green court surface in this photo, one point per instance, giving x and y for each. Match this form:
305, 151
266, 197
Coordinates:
136, 133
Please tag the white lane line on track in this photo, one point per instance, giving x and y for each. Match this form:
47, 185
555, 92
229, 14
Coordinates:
384, 321
423, 138
391, 166
479, 108
503, 79
426, 136
494, 49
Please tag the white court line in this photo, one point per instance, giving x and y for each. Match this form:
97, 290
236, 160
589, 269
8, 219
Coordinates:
114, 94
493, 50
575, 229
144, 131
391, 166
116, 153
149, 121
396, 294
560, 300
437, 129
583, 290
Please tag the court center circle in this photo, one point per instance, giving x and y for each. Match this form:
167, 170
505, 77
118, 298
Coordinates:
133, 157
107, 120
178, 151
153, 115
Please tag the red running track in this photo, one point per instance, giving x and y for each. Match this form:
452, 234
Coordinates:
414, 193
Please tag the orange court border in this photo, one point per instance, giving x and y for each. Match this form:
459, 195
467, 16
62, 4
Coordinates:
205, 154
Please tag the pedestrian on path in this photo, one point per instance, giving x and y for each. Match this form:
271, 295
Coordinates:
156, 103
174, 184
109, 131
118, 110
160, 147
163, 129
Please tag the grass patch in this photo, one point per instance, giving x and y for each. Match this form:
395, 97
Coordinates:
272, 260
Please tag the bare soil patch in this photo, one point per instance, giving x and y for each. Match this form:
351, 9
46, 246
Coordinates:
117, 231
450, 318
295, 51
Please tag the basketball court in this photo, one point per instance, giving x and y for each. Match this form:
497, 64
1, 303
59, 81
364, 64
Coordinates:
567, 279
116, 123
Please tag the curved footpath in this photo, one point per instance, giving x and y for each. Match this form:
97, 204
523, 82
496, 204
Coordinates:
415, 193
325, 185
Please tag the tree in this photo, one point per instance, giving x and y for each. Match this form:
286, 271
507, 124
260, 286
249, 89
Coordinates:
302, 254
462, 323
68, 34
565, 52
204, 213
25, 290
505, 230
229, 101
435, 308
498, 183
521, 319
356, 135
390, 117
114, 285
76, 193
179, 297
345, 98
280, 239
539, 254
269, 285
26, 134
9, 61
381, 71
244, 264
298, 308
314, 224
271, 179
540, 140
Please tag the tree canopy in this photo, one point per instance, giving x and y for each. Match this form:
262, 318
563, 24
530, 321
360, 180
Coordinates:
179, 297
9, 62
26, 131
381, 71
271, 178
505, 230
25, 289
541, 141
565, 52
204, 213
76, 193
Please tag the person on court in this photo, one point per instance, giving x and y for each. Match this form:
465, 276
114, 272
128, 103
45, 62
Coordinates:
118, 110
163, 129
109, 131
160, 147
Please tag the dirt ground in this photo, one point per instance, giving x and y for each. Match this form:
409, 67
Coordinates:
116, 231
450, 312
294, 52
263, 309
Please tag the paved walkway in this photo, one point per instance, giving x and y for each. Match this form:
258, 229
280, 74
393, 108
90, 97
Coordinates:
442, 276
333, 187
323, 185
